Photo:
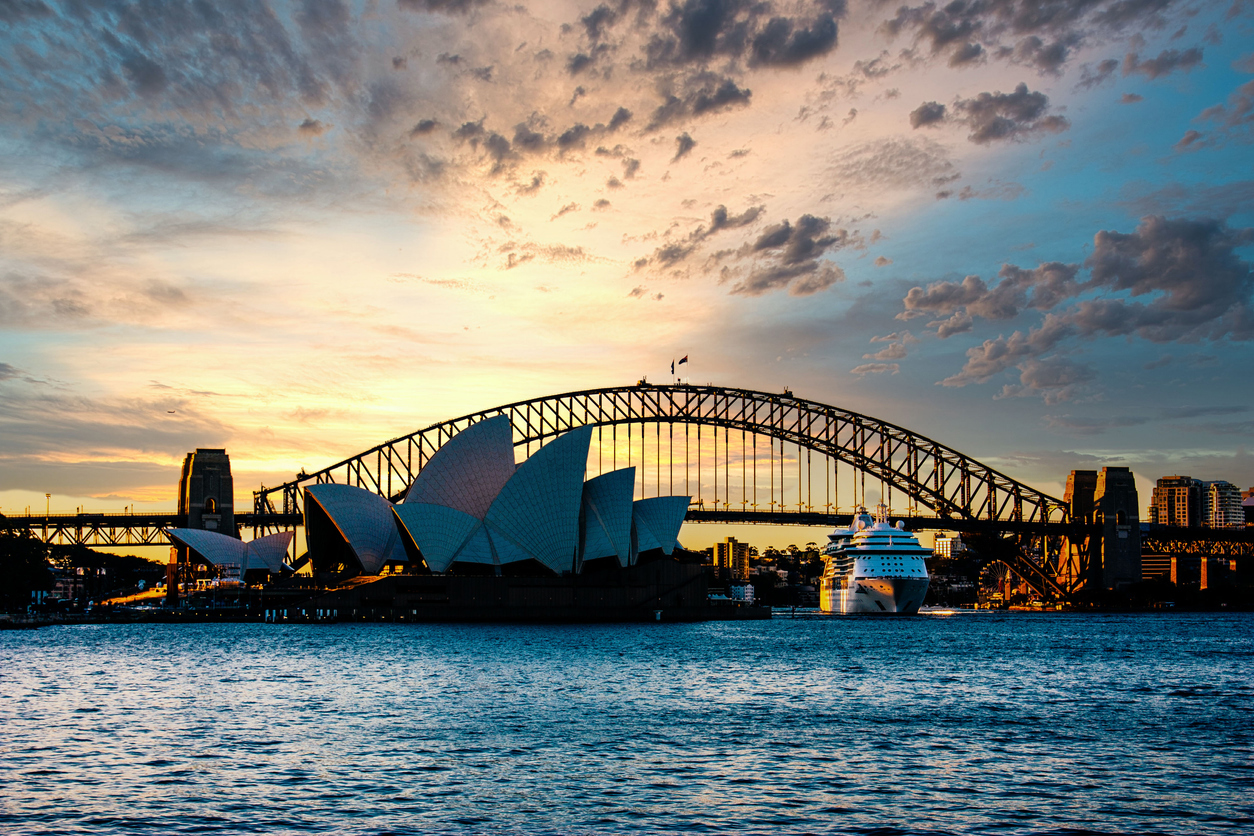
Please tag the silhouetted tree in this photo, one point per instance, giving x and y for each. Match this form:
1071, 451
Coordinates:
23, 569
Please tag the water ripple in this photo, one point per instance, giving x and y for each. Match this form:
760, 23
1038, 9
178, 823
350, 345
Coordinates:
999, 724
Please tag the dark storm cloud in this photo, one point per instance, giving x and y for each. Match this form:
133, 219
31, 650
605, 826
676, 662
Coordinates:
1167, 62
424, 127
994, 117
1171, 280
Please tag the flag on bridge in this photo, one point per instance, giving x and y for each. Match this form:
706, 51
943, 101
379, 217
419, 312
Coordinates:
683, 360
672, 367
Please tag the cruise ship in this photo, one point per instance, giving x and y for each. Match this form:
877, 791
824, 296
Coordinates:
873, 567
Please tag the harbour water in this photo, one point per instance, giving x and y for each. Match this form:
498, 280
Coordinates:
970, 723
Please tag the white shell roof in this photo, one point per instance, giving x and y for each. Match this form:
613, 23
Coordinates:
365, 520
213, 546
468, 472
539, 506
607, 515
268, 552
438, 531
219, 549
657, 521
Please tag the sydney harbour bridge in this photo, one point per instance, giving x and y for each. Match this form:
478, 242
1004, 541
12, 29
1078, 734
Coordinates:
744, 456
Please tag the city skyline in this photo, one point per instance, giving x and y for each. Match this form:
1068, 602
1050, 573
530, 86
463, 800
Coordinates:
296, 231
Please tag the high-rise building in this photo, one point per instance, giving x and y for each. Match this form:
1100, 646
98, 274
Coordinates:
1177, 500
946, 547
733, 556
1221, 505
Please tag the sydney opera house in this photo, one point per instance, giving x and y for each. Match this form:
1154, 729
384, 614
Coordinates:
473, 517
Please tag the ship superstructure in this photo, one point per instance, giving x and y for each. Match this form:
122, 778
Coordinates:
873, 567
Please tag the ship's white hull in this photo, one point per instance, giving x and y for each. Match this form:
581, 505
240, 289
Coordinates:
897, 596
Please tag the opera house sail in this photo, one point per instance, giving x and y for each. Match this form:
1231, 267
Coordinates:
471, 504
265, 554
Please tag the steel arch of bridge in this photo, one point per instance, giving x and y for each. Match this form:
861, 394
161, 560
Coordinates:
950, 483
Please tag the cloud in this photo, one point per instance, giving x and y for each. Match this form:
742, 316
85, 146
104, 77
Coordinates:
1199, 288
994, 117
928, 113
1177, 412
313, 127
1032, 51
1131, 98
1041, 288
1167, 62
875, 368
704, 94
698, 32
882, 261
683, 145
8, 372
1238, 112
1092, 426
1189, 138
894, 163
1024, 32
893, 351
959, 323
787, 255
1091, 77
674, 252
1195, 285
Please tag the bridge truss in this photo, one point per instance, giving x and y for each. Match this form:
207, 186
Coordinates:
742, 455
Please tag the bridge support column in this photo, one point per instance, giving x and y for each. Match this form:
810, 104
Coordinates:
1116, 509
1076, 563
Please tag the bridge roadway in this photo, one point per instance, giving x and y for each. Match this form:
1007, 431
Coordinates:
124, 529
127, 529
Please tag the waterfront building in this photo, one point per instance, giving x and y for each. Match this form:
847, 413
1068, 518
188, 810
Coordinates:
947, 547
1221, 505
733, 556
1177, 501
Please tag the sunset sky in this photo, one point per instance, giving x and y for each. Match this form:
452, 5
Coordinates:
297, 230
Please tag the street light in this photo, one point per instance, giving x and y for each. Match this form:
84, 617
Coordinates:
48, 506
